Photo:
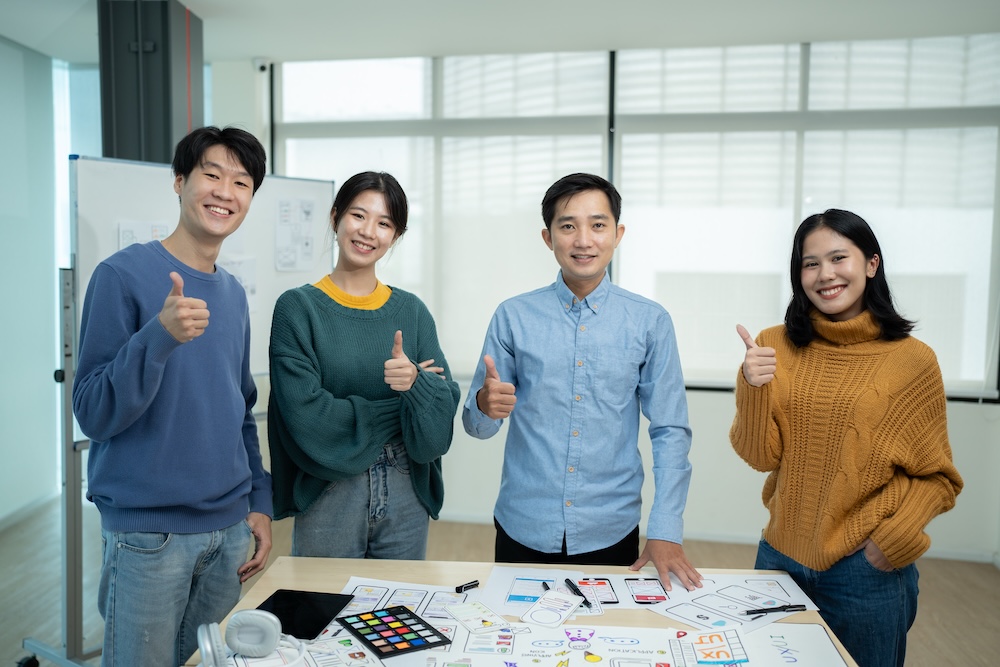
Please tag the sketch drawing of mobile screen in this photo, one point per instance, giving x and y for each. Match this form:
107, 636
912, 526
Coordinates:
646, 591
602, 585
365, 599
440, 600
406, 597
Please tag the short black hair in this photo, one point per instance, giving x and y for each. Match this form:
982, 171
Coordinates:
877, 297
572, 184
377, 181
240, 145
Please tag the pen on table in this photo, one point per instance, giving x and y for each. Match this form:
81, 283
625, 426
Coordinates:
545, 585
576, 591
465, 587
787, 607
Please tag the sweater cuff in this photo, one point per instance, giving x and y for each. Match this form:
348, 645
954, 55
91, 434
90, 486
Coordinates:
422, 392
159, 343
383, 420
901, 537
753, 409
260, 501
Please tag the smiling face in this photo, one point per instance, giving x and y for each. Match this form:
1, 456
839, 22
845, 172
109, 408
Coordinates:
365, 232
583, 237
834, 274
215, 197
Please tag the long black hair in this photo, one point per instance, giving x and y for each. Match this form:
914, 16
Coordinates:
877, 297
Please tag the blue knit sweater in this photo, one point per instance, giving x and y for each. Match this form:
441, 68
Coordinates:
173, 443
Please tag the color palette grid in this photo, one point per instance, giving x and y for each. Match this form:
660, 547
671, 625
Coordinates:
393, 631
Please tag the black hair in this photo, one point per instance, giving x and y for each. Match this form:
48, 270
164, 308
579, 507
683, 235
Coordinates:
877, 297
572, 184
378, 181
240, 144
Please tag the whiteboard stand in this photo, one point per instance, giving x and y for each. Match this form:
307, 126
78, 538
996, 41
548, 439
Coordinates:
72, 651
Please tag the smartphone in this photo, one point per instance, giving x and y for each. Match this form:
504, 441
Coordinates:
605, 592
646, 591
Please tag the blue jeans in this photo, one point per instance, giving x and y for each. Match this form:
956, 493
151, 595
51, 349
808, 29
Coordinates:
372, 515
869, 610
157, 588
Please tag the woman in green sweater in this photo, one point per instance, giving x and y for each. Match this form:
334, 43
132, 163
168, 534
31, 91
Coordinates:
846, 411
356, 428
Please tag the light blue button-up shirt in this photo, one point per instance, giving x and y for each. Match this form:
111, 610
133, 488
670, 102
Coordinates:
581, 372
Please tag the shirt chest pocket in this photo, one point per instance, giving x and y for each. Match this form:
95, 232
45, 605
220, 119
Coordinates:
616, 372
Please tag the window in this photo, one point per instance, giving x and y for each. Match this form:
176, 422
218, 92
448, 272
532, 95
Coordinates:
719, 153
355, 90
906, 74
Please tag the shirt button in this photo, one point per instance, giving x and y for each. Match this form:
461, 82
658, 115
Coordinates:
571, 469
569, 504
577, 397
576, 433
583, 328
579, 363
567, 306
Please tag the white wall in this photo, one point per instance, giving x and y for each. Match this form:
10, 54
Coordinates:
28, 395
240, 97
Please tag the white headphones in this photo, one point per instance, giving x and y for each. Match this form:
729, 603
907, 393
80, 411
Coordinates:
251, 632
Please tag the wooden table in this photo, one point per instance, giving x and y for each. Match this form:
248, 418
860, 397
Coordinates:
330, 575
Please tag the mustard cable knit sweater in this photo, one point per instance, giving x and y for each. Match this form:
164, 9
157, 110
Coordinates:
853, 431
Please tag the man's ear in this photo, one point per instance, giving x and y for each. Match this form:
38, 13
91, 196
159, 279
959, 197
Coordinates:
178, 183
619, 233
547, 237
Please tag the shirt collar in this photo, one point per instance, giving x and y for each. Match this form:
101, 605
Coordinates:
594, 300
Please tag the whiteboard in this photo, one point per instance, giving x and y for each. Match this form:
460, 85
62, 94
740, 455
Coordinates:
282, 243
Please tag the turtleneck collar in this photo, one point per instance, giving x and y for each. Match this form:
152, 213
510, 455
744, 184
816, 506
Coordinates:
860, 329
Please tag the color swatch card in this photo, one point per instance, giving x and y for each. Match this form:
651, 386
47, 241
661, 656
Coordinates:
393, 631
477, 617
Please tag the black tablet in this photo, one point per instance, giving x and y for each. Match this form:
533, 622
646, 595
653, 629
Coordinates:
304, 614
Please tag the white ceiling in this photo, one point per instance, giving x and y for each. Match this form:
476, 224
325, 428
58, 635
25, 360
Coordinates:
321, 29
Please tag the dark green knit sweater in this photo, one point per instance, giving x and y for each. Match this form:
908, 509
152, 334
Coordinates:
330, 411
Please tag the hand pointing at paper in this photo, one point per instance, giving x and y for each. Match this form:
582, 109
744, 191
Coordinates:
760, 363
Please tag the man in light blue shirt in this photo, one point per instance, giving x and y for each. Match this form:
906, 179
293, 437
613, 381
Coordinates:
578, 360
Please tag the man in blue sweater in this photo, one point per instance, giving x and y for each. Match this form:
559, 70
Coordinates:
175, 466
571, 365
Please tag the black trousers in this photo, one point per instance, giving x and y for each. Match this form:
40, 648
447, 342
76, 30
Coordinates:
508, 550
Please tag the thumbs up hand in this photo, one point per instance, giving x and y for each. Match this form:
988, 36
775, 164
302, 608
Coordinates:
400, 373
760, 363
495, 398
184, 318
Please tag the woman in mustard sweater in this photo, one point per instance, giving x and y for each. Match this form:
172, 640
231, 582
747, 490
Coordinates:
846, 411
356, 428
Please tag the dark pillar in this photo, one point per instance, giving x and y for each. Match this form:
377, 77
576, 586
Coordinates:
152, 84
